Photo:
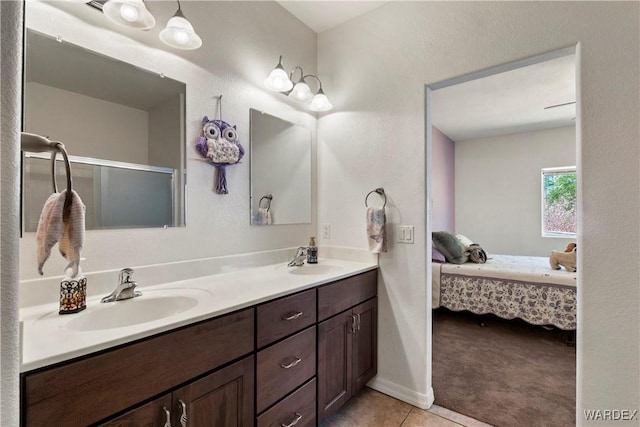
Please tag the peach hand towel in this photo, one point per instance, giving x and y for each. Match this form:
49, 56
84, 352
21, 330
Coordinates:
63, 225
73, 233
376, 231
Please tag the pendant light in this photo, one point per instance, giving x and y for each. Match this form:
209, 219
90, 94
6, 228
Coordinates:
179, 32
278, 79
301, 91
320, 102
129, 13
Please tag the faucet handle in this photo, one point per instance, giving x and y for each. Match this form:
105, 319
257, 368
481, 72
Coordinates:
125, 275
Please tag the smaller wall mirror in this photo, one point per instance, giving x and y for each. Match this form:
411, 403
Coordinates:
122, 126
280, 171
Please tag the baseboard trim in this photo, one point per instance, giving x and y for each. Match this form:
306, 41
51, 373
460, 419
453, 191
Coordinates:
412, 397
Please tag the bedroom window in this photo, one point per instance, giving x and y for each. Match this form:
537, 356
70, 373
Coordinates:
559, 209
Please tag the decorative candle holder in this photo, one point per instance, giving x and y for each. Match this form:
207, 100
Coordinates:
73, 295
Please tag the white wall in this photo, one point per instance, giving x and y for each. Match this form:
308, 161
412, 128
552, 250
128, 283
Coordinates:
498, 189
241, 44
83, 124
375, 137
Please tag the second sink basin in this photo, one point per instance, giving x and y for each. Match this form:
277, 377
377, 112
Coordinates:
150, 306
312, 269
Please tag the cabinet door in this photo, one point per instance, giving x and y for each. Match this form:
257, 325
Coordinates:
153, 414
221, 399
334, 363
365, 344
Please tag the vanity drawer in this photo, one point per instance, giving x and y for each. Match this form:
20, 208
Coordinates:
284, 366
344, 294
300, 406
282, 317
95, 387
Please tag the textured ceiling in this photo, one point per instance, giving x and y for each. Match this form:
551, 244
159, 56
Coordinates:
323, 15
509, 102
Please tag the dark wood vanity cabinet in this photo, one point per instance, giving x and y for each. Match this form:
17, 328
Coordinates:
94, 388
290, 361
347, 342
224, 399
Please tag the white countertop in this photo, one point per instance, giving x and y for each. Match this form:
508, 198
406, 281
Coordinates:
48, 338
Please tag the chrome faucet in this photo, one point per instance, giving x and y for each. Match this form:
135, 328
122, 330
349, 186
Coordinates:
299, 257
125, 289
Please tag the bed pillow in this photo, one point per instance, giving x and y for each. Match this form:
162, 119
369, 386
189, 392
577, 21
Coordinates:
450, 246
465, 240
436, 255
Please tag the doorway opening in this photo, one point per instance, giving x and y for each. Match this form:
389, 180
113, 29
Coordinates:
489, 137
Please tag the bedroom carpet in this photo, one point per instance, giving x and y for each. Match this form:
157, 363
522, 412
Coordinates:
506, 373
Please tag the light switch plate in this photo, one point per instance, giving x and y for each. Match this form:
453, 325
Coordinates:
405, 234
326, 231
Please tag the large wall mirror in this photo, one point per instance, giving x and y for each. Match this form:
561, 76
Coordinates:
280, 171
123, 127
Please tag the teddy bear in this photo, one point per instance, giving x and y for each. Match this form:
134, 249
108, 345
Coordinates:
566, 259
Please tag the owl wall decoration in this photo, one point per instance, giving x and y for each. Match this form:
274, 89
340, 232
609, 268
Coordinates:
220, 146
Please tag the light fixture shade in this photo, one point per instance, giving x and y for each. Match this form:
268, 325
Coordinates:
278, 79
179, 33
320, 102
301, 92
129, 13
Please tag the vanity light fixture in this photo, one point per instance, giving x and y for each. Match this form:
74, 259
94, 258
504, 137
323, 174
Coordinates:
279, 81
129, 13
179, 32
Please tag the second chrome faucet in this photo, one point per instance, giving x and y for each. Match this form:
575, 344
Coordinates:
299, 258
125, 288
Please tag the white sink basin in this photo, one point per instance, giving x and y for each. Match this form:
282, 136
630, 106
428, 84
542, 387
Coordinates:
150, 306
312, 269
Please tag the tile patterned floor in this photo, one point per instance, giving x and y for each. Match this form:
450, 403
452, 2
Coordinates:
373, 409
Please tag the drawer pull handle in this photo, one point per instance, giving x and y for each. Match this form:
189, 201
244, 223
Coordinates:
292, 364
294, 422
168, 414
358, 317
183, 417
293, 316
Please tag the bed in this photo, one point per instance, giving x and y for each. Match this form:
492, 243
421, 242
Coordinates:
510, 287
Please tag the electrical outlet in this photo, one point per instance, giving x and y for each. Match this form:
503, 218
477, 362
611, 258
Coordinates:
405, 234
326, 231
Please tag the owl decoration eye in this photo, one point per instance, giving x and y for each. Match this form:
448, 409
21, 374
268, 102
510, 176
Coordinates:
219, 145
230, 134
211, 131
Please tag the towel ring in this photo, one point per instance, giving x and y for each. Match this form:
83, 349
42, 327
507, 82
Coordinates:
269, 197
379, 191
39, 144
